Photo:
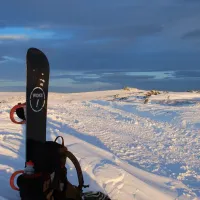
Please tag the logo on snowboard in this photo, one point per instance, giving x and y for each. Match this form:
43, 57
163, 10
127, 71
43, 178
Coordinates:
37, 99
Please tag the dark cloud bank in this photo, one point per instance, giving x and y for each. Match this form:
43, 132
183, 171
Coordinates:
105, 35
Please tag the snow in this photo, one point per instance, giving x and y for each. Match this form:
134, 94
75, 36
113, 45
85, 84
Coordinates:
127, 149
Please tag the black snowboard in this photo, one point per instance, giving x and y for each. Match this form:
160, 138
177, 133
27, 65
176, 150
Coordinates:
36, 99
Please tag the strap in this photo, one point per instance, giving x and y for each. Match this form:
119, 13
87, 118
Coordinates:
63, 144
13, 110
75, 162
12, 179
78, 168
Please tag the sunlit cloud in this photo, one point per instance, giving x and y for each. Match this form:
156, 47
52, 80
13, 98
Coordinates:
23, 33
5, 59
13, 37
8, 58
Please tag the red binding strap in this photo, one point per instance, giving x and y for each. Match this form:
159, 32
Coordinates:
13, 110
12, 179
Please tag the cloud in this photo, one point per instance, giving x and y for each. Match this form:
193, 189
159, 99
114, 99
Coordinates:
5, 59
24, 33
104, 34
8, 58
192, 35
100, 17
2, 60
13, 37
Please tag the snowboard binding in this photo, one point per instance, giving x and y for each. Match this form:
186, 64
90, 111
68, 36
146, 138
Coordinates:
19, 109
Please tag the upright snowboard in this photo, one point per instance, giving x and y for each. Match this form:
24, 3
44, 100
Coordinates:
45, 178
36, 99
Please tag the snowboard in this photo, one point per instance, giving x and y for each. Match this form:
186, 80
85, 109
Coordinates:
37, 82
34, 114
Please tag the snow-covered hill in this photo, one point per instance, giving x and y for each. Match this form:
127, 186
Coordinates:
127, 148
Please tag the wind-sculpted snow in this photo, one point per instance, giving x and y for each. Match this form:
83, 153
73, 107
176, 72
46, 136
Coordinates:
126, 148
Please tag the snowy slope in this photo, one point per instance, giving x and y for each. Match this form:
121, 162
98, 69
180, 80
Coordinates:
126, 148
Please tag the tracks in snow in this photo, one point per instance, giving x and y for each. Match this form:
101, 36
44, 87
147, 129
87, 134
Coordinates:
155, 146
138, 139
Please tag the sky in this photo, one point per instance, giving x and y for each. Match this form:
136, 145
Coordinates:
104, 35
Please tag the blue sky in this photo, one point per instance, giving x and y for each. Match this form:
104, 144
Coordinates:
101, 35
